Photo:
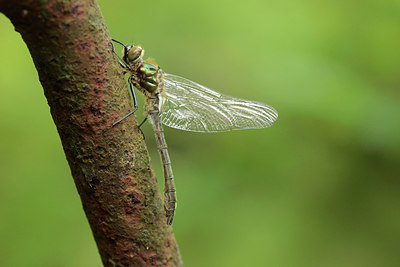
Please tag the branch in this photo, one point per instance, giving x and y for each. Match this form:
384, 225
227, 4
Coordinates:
84, 86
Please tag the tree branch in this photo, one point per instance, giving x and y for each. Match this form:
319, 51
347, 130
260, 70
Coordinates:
84, 86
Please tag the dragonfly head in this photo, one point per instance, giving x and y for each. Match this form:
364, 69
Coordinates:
132, 54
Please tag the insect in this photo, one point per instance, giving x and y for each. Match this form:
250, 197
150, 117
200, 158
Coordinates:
182, 104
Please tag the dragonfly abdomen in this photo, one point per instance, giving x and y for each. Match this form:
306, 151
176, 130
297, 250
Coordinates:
169, 186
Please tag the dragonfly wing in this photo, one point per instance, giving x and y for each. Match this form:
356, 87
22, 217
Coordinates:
190, 106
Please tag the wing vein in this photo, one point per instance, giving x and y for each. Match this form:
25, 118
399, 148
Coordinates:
190, 106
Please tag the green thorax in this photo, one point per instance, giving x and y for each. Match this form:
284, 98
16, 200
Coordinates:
149, 76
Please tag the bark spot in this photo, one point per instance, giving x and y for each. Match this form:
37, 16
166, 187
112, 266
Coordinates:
133, 199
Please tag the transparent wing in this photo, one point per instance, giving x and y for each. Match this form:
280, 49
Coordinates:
192, 107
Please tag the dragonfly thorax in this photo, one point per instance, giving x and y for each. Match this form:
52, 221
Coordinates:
148, 77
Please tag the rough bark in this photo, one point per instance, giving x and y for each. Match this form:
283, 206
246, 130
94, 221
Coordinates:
84, 86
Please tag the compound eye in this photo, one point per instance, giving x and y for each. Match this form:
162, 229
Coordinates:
134, 53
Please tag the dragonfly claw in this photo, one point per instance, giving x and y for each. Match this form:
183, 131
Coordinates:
140, 125
170, 219
140, 130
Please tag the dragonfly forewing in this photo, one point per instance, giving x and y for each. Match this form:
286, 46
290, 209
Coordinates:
190, 106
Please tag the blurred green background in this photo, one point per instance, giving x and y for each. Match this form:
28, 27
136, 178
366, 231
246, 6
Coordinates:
319, 188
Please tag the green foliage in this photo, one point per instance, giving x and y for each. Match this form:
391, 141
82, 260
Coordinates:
319, 188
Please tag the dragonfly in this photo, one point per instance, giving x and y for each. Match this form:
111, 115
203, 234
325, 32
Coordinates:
179, 103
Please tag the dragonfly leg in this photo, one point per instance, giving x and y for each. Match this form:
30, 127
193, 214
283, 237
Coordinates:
134, 102
144, 120
140, 125
170, 219
120, 61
